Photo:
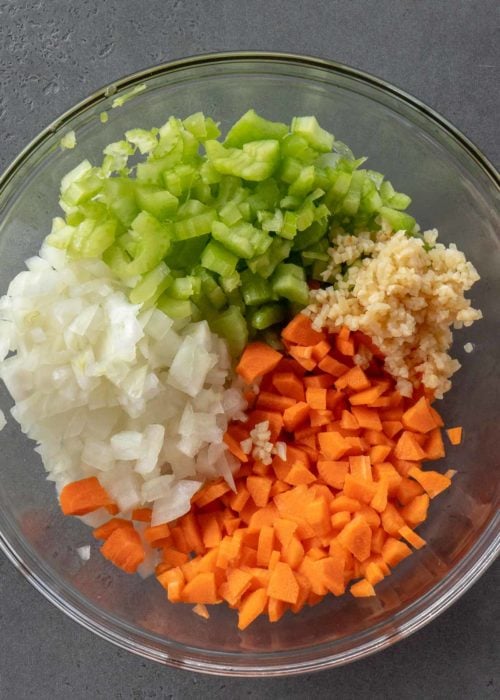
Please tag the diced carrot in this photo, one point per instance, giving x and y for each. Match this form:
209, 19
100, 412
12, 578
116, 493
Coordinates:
419, 417
360, 465
239, 499
349, 421
332, 445
155, 534
235, 448
124, 549
251, 607
359, 489
275, 609
316, 398
392, 521
356, 536
228, 551
210, 529
317, 514
333, 472
332, 366
84, 496
179, 539
402, 466
299, 474
284, 530
379, 453
259, 488
434, 448
394, 551
289, 384
411, 537
373, 573
385, 471
265, 545
201, 589
362, 589
343, 502
263, 516
340, 519
283, 584
378, 539
376, 437
455, 435
210, 492
366, 397
379, 500
392, 427
370, 515
173, 557
257, 360
432, 482
408, 448
301, 332
104, 531
319, 381
345, 346
231, 524
407, 490
268, 401
296, 415
293, 552
303, 356
142, 514
320, 350
112, 509
415, 512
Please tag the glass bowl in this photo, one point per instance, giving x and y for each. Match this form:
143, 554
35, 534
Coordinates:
454, 188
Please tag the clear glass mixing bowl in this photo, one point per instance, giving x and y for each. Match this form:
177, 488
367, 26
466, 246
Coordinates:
454, 189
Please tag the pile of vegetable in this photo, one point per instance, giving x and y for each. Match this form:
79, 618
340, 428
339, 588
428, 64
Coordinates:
184, 406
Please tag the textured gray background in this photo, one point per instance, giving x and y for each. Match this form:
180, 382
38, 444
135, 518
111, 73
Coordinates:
53, 53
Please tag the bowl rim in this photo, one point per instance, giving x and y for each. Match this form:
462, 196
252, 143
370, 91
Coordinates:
421, 611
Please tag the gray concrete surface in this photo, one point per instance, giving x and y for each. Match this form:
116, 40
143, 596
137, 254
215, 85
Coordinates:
55, 52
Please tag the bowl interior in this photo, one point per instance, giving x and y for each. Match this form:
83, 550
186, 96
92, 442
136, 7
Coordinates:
452, 191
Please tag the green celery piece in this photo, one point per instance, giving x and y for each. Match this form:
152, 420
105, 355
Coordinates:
185, 287
289, 228
399, 201
210, 291
151, 171
152, 242
297, 147
376, 178
182, 253
230, 283
261, 240
160, 203
350, 203
266, 195
175, 308
310, 256
218, 259
305, 216
288, 281
208, 174
119, 196
264, 265
195, 225
74, 217
83, 189
319, 266
255, 162
317, 138
101, 238
255, 289
151, 285
271, 222
60, 234
290, 170
93, 209
201, 127
230, 190
290, 202
76, 174
190, 146
231, 326
180, 179
304, 183
146, 141
267, 315
116, 157
338, 190
202, 193
234, 298
398, 220
236, 239
252, 127
246, 210
192, 207
230, 214
387, 191
314, 233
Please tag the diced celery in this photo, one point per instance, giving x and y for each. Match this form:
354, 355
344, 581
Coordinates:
83, 189
314, 233
290, 170
151, 285
152, 170
181, 179
182, 254
338, 190
203, 193
231, 282
195, 226
201, 127
185, 287
296, 146
398, 220
289, 281
256, 161
376, 178
350, 203
209, 175
319, 266
264, 265
231, 326
267, 315
175, 308
317, 137
305, 216
255, 289
210, 290
304, 183
218, 259
386, 191
145, 141
152, 243
119, 195
289, 228
272, 222
399, 201
252, 127
158, 202
290, 202
236, 239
